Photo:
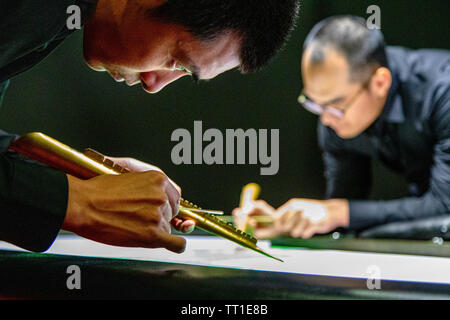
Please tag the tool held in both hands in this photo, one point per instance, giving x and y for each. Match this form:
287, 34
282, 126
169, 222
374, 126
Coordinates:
42, 148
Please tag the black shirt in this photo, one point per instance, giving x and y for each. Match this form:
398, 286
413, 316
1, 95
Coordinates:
33, 197
411, 137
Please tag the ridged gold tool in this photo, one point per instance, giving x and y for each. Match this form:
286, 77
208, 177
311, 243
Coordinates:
42, 148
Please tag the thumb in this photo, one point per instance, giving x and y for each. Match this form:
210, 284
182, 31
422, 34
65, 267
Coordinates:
172, 242
134, 164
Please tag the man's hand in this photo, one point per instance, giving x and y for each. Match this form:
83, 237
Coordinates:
185, 226
244, 216
132, 210
302, 218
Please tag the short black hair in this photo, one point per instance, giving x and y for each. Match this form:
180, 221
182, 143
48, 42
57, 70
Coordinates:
263, 25
363, 48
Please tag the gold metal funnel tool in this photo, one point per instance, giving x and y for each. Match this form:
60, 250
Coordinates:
42, 148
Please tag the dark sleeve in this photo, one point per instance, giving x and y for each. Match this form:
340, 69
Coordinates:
348, 174
33, 200
436, 201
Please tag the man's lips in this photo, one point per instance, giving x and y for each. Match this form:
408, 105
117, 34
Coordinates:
132, 82
119, 78
116, 76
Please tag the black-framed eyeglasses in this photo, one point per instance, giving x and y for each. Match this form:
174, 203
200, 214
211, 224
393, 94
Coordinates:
318, 109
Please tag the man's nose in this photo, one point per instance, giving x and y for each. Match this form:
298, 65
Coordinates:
326, 119
155, 81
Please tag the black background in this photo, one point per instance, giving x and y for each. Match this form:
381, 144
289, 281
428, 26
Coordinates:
63, 98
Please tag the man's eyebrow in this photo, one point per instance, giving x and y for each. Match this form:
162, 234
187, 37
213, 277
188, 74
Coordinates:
332, 101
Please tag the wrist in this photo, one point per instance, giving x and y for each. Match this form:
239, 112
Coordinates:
73, 217
339, 208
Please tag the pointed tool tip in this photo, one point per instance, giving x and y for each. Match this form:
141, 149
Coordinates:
277, 258
267, 255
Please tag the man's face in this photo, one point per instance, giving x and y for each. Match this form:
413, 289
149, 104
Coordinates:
121, 40
328, 84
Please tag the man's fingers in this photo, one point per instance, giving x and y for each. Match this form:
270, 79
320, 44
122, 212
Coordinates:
299, 229
236, 212
257, 207
186, 226
262, 207
290, 220
310, 231
174, 199
320, 228
165, 224
267, 233
134, 164
172, 242
242, 215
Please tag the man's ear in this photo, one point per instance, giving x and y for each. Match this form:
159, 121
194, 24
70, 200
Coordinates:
381, 82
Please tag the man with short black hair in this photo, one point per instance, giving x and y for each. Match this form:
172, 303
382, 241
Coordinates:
151, 42
389, 103
155, 43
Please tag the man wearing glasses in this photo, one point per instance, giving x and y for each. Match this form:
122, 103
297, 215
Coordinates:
373, 101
